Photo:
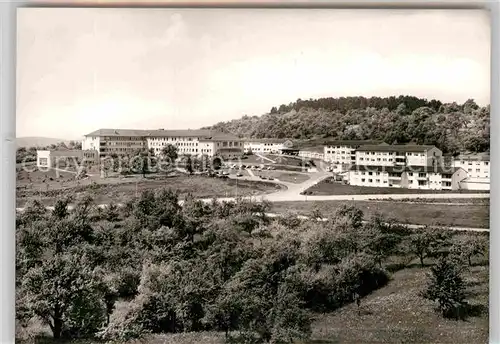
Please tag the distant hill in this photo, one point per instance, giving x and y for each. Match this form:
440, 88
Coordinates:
37, 141
451, 127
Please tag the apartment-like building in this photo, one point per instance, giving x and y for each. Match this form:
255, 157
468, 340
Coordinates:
341, 154
404, 166
188, 142
411, 177
312, 153
398, 155
476, 165
266, 146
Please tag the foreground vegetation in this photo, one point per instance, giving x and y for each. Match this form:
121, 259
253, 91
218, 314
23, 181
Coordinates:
157, 267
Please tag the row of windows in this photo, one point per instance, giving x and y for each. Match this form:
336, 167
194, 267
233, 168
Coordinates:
486, 163
392, 153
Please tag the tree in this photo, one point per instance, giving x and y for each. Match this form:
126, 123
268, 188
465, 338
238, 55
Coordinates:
446, 286
170, 154
428, 242
472, 246
217, 163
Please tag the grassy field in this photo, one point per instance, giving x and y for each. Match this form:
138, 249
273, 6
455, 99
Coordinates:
123, 190
474, 216
327, 187
288, 177
397, 314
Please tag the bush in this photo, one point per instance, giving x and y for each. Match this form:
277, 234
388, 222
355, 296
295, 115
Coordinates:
446, 286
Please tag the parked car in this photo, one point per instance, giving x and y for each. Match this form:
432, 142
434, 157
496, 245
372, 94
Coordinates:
226, 173
239, 175
270, 178
263, 177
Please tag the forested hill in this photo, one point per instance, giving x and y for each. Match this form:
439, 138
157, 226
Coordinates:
451, 127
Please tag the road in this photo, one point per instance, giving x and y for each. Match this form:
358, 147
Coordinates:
292, 193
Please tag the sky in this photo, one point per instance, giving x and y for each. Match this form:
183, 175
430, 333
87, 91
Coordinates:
82, 69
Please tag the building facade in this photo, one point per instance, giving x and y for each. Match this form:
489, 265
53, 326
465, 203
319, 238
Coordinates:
410, 177
62, 158
312, 153
188, 142
341, 154
266, 146
476, 165
404, 166
398, 155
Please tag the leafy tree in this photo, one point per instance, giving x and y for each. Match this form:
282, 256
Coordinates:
446, 286
428, 242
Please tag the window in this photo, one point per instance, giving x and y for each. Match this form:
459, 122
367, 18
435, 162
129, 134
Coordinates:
370, 180
422, 175
370, 173
486, 163
470, 170
363, 180
421, 183
378, 180
478, 170
43, 161
410, 174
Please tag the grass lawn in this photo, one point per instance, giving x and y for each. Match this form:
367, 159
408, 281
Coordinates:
123, 190
328, 187
397, 314
288, 177
474, 216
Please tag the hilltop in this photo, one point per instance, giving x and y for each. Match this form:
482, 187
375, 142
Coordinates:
34, 141
450, 126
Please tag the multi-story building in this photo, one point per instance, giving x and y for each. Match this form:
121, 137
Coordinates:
404, 166
411, 177
266, 146
188, 142
476, 165
312, 153
341, 153
398, 155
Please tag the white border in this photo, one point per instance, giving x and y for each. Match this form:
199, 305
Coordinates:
7, 144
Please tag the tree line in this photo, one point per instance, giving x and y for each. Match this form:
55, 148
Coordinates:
451, 127
219, 266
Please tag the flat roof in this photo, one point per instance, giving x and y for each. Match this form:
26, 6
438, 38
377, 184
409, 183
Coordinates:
474, 157
395, 148
206, 134
351, 142
63, 152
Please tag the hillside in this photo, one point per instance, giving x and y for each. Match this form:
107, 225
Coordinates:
37, 141
451, 127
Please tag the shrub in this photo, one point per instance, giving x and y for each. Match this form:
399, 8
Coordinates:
446, 286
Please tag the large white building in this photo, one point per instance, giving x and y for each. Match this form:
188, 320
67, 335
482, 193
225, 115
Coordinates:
411, 177
312, 153
266, 146
404, 166
188, 142
476, 165
341, 154
398, 155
